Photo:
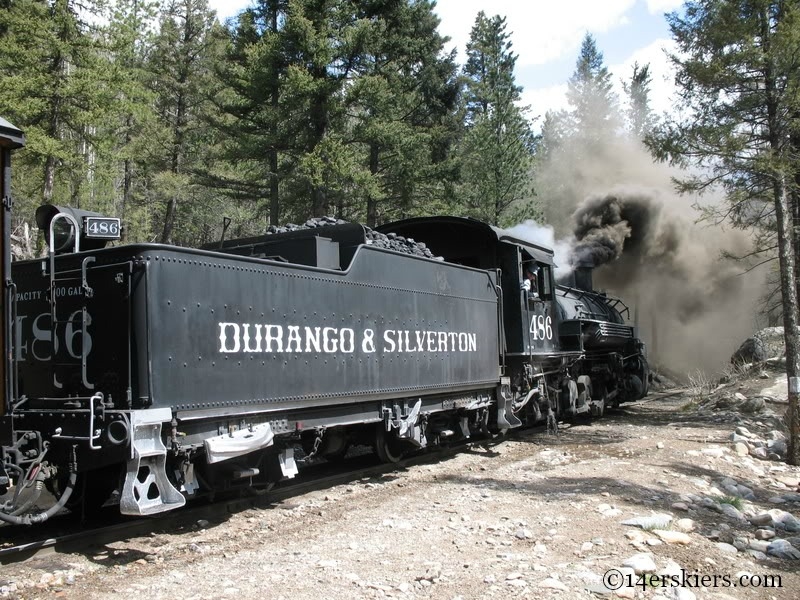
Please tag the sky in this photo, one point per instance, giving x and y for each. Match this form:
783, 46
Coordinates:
546, 36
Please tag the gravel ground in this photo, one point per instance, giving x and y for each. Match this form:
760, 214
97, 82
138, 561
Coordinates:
536, 516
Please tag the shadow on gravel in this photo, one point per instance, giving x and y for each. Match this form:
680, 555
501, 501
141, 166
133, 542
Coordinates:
646, 414
640, 500
611, 428
480, 449
761, 493
109, 556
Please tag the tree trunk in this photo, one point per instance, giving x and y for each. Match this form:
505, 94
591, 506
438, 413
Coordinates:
127, 171
319, 124
784, 222
784, 218
49, 179
274, 206
175, 167
59, 74
169, 220
319, 202
372, 203
794, 206
53, 132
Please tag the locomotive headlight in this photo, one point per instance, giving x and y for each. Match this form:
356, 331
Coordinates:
94, 230
63, 234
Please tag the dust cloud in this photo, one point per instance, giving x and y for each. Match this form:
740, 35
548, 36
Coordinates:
618, 211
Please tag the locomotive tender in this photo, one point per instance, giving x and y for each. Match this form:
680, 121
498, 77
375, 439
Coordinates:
145, 374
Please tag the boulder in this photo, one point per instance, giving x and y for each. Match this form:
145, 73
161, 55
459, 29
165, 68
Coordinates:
752, 350
783, 549
741, 449
727, 548
641, 563
673, 537
753, 405
731, 511
656, 521
777, 446
784, 520
764, 344
762, 519
685, 525
764, 534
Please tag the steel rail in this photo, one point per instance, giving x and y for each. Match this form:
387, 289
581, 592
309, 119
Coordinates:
351, 470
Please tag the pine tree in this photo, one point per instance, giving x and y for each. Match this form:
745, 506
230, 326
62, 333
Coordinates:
738, 70
132, 121
180, 68
403, 107
497, 149
53, 71
249, 113
595, 113
579, 148
592, 118
338, 106
639, 114
286, 69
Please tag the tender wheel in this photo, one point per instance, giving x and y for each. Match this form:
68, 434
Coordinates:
338, 455
334, 446
387, 446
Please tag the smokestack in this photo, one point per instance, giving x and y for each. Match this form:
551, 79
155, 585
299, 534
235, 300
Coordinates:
583, 276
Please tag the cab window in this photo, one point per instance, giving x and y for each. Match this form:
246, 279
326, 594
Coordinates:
545, 288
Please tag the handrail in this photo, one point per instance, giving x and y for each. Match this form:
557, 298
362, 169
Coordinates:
88, 292
92, 434
611, 301
501, 334
51, 254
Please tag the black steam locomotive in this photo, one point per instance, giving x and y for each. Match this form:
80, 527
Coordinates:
144, 374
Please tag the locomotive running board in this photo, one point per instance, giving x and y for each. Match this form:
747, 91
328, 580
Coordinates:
147, 491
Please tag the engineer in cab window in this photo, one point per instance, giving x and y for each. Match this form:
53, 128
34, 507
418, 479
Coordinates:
530, 283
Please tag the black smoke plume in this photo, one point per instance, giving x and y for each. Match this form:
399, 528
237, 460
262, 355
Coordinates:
617, 208
648, 251
607, 225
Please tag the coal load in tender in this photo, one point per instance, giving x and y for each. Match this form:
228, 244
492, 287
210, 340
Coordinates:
389, 241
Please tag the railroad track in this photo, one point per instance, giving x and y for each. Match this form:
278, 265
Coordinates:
75, 538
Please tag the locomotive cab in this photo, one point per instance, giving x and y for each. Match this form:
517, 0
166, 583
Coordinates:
528, 306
